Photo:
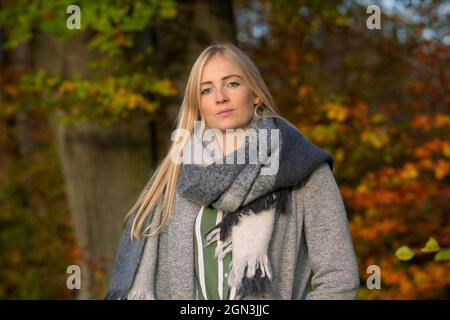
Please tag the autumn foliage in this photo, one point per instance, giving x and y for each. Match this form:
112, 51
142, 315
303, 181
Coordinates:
380, 104
378, 100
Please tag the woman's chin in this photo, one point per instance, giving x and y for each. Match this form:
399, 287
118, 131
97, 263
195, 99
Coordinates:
224, 125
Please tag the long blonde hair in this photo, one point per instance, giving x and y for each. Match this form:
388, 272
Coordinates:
160, 190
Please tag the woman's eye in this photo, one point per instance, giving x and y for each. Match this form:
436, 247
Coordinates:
205, 91
234, 84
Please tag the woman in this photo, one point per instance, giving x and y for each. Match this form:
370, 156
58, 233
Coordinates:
223, 228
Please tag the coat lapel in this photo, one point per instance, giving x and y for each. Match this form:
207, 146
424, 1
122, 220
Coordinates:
181, 249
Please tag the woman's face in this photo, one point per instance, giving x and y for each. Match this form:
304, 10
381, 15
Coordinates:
226, 100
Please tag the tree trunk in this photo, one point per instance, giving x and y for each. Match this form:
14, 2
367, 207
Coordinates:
104, 168
104, 171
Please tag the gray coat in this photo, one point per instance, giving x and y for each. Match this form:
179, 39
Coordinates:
311, 252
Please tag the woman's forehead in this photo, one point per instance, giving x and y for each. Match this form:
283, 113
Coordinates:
219, 67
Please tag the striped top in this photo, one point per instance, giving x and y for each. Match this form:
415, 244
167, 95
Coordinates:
211, 273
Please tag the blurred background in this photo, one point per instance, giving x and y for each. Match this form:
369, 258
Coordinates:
86, 114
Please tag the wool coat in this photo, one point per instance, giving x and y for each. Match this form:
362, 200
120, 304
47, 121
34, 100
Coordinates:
311, 251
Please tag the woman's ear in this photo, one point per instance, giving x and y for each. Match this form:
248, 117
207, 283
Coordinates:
256, 101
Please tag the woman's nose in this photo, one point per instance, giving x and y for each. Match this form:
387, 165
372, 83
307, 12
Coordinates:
221, 97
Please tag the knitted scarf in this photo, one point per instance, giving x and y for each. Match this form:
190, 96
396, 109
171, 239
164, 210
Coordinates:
251, 193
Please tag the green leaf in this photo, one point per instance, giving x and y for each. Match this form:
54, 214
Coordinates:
431, 246
404, 253
443, 255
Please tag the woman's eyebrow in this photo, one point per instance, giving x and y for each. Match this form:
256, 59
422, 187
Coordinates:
224, 78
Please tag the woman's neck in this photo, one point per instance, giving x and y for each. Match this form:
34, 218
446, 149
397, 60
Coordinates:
235, 138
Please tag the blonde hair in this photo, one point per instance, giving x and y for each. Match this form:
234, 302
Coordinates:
159, 193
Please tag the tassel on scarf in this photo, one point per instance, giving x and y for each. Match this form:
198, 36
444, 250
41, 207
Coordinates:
250, 266
277, 200
253, 279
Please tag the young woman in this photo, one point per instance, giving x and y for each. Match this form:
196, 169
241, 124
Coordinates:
255, 216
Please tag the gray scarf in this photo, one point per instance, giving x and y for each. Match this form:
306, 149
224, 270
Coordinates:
250, 199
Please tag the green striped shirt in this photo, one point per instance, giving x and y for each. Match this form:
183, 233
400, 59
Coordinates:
211, 273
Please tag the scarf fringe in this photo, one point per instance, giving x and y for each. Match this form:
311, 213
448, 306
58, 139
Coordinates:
249, 277
222, 249
277, 200
253, 279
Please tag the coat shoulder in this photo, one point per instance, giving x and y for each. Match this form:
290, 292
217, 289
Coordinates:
320, 175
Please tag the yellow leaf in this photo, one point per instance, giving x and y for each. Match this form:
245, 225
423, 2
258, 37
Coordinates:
340, 155
302, 91
441, 169
410, 171
132, 101
362, 188
446, 150
66, 86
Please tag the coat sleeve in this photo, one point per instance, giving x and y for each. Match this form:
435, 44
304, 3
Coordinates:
330, 249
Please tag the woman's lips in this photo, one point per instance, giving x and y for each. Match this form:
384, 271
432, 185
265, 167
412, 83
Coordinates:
225, 113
